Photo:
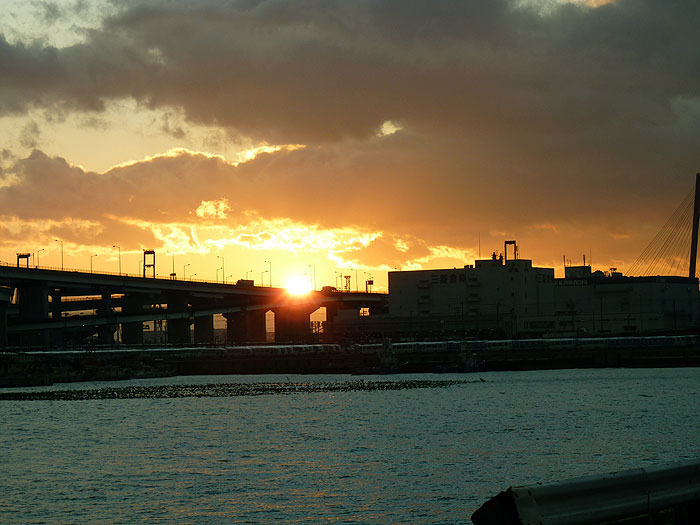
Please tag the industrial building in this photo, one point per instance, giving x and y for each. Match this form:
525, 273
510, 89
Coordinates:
503, 297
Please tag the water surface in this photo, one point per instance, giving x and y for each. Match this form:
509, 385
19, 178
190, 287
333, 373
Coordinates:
422, 455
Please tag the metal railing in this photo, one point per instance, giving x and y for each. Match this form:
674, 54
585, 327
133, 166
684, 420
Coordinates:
629, 494
95, 272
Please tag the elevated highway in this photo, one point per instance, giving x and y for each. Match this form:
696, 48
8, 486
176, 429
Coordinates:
42, 307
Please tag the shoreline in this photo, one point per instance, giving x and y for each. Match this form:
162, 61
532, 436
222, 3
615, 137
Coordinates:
27, 369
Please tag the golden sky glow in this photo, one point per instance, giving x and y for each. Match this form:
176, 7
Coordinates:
342, 139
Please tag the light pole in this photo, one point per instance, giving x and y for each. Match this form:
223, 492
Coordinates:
57, 240
262, 283
227, 278
314, 273
223, 272
37, 255
357, 283
246, 274
119, 256
91, 261
270, 276
369, 282
338, 275
184, 275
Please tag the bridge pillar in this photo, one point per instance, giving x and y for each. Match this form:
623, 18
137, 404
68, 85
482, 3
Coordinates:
5, 295
105, 332
292, 324
132, 332
204, 329
34, 306
178, 329
329, 332
246, 327
56, 336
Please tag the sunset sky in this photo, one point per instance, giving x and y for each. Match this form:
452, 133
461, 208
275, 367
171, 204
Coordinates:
350, 137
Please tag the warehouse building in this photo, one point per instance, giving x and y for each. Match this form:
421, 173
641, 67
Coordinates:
502, 297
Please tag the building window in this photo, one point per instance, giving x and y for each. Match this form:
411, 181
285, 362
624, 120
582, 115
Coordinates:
443, 278
453, 278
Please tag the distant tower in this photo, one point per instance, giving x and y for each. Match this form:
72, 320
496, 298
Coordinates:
149, 264
515, 249
694, 236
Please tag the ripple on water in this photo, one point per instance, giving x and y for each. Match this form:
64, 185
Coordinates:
329, 449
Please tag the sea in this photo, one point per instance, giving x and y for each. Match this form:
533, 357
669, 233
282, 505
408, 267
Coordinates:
427, 448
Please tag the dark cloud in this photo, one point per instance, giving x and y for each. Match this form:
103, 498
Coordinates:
29, 137
513, 118
50, 12
349, 184
310, 71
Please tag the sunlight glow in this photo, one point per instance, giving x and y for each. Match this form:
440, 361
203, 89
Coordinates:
298, 285
388, 128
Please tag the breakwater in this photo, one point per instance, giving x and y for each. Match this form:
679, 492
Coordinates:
225, 390
34, 368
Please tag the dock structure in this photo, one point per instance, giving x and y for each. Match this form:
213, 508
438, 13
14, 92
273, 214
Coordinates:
42, 307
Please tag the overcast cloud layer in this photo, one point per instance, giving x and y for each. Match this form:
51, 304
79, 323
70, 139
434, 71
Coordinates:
570, 127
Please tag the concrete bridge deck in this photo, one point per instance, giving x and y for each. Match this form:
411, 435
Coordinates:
46, 306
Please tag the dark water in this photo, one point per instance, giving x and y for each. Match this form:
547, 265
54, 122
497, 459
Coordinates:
422, 455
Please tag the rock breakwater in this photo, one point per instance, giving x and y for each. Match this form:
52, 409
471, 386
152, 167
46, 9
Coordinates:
224, 390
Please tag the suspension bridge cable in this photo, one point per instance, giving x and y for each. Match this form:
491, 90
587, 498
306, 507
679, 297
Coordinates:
669, 249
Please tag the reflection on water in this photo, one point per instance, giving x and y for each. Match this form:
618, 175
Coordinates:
425, 455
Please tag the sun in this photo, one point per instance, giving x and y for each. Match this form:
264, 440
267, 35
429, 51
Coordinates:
298, 285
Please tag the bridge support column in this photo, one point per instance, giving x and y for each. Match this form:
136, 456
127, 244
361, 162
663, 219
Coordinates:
246, 327
204, 329
5, 295
105, 332
329, 331
292, 324
178, 329
132, 332
34, 306
57, 337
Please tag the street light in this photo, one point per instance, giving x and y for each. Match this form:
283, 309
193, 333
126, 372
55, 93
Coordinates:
246, 274
184, 275
223, 272
227, 278
262, 283
91, 261
37, 255
57, 240
369, 282
268, 262
338, 274
314, 272
119, 256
